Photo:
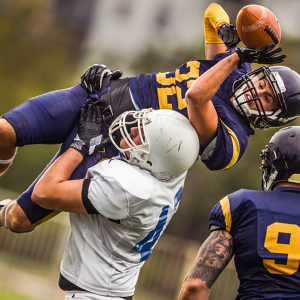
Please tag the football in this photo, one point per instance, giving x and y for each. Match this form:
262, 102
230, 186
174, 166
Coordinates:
257, 27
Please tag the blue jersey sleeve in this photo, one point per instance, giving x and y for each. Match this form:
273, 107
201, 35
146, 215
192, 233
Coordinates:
220, 216
233, 130
228, 212
231, 143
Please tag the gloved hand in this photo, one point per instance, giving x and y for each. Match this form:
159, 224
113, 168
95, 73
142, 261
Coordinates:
263, 56
229, 35
89, 135
92, 78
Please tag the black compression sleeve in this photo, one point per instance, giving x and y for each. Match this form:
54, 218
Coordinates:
85, 199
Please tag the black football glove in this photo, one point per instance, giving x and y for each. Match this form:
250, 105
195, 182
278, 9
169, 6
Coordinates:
89, 135
229, 35
263, 56
92, 78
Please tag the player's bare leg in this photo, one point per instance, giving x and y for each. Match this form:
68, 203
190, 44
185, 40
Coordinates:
8, 140
12, 217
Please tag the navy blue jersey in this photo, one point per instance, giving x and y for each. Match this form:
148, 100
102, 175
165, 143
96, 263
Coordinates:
167, 91
265, 227
52, 117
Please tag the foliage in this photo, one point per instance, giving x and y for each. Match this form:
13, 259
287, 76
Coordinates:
38, 50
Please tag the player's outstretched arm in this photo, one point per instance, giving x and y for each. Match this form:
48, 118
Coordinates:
214, 16
201, 111
54, 190
212, 258
8, 140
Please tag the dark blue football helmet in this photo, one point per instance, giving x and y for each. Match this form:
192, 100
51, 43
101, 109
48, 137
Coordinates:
286, 85
281, 158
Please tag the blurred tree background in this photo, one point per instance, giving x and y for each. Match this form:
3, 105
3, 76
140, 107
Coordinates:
39, 53
42, 49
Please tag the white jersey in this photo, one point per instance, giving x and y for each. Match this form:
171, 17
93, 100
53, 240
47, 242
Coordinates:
105, 251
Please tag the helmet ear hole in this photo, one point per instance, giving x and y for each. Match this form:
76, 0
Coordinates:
149, 163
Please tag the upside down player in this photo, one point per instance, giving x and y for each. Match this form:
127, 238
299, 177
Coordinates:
261, 228
220, 104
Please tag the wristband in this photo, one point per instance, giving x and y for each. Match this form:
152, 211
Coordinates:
218, 25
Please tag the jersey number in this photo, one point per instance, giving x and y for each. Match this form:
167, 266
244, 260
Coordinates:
146, 245
176, 85
292, 249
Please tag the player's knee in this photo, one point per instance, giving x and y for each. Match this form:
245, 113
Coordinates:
8, 139
17, 221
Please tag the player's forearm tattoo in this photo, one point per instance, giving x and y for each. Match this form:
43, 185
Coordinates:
213, 256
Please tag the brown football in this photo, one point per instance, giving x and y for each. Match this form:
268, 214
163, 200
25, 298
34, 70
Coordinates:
257, 27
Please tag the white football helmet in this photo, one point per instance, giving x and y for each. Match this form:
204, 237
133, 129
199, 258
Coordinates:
170, 144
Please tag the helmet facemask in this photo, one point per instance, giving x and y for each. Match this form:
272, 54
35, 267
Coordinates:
269, 173
259, 118
122, 125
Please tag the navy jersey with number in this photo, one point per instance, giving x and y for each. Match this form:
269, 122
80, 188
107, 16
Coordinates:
52, 117
265, 227
167, 91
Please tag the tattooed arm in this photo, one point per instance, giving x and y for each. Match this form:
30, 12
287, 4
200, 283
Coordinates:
213, 256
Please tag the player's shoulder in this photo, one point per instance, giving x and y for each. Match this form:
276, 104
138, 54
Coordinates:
244, 197
242, 194
231, 201
135, 181
237, 202
232, 209
246, 201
